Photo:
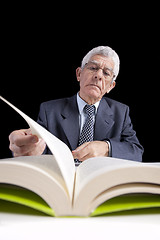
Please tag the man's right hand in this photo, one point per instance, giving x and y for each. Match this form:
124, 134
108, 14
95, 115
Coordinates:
23, 143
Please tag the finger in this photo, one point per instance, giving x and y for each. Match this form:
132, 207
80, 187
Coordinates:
84, 157
39, 149
21, 140
81, 152
28, 131
23, 150
22, 137
81, 147
27, 150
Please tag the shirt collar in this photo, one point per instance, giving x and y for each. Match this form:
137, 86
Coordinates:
81, 103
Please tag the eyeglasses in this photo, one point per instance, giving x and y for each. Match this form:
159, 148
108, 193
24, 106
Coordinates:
94, 67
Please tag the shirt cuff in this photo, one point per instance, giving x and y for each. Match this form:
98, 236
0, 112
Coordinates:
110, 151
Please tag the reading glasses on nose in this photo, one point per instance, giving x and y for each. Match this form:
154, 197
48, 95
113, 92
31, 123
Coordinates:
94, 67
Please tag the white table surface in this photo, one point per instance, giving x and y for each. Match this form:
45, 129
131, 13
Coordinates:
14, 226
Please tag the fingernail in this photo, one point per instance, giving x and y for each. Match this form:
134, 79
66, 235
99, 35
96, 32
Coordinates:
34, 139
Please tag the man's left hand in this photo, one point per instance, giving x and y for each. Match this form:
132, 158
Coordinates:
91, 149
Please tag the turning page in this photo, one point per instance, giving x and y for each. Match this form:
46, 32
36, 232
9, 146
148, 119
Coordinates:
60, 150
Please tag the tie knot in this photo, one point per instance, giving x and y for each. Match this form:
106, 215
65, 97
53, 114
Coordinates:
89, 109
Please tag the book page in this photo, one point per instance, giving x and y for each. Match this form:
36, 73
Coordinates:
129, 202
46, 163
60, 150
96, 176
14, 194
94, 167
121, 190
30, 173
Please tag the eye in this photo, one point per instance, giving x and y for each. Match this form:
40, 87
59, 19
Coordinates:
106, 73
93, 68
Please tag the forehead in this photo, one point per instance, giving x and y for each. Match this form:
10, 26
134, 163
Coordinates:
103, 60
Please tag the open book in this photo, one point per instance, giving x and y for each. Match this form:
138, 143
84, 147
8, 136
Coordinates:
99, 185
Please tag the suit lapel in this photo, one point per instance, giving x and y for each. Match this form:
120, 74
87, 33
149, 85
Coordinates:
70, 122
104, 121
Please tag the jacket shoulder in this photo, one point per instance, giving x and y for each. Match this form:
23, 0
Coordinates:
57, 104
51, 103
115, 104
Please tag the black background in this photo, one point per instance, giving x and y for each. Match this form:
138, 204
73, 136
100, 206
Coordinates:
43, 45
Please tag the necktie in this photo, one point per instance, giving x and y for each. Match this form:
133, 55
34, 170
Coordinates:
87, 133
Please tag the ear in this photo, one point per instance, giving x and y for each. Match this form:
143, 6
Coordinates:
78, 73
112, 85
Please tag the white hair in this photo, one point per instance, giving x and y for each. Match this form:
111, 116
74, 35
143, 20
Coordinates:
105, 51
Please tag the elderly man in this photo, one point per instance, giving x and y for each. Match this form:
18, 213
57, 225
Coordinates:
90, 124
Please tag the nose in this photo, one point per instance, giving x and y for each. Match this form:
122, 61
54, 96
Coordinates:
99, 74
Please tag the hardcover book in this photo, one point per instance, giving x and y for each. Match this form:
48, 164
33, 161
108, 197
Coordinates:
52, 184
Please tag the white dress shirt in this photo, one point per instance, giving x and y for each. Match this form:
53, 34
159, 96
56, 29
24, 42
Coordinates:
82, 115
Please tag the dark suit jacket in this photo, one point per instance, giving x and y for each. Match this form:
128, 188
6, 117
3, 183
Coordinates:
61, 118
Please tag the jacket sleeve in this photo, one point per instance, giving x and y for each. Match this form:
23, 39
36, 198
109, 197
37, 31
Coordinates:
42, 120
127, 145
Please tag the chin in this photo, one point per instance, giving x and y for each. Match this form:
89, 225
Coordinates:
94, 95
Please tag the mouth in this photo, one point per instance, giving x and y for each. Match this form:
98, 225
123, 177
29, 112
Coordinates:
94, 85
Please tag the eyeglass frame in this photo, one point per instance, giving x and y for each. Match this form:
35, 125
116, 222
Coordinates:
111, 75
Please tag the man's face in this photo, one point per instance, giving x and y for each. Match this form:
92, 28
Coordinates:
96, 78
